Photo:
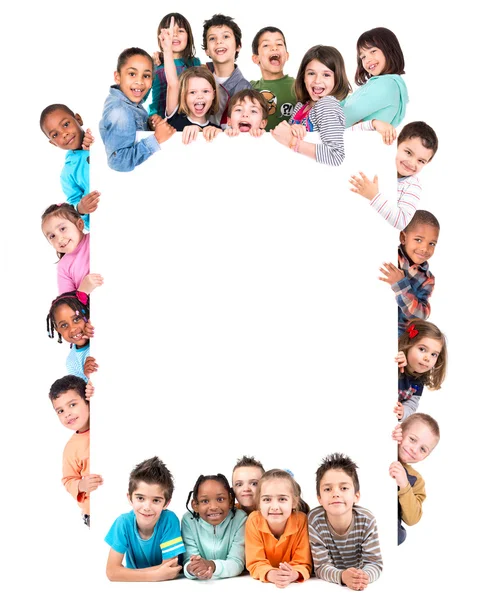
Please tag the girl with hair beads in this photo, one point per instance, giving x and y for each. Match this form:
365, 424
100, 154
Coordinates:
69, 316
277, 544
421, 360
123, 114
177, 56
320, 84
213, 531
382, 94
190, 101
63, 228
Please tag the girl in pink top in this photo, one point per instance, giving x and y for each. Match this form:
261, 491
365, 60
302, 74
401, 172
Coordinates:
63, 227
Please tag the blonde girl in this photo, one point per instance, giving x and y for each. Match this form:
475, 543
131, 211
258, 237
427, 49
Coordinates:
277, 544
421, 361
320, 85
178, 55
63, 227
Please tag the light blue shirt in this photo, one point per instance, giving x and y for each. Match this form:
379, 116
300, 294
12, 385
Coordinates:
75, 361
75, 179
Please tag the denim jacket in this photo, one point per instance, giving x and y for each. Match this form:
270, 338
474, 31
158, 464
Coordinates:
121, 119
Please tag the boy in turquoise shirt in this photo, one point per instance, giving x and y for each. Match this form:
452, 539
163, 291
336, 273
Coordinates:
148, 537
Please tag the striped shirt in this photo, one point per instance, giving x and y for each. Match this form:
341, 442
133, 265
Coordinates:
358, 547
399, 214
326, 117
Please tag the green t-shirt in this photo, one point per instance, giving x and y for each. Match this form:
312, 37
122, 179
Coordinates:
280, 97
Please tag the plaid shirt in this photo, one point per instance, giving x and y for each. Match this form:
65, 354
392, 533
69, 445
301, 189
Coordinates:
413, 291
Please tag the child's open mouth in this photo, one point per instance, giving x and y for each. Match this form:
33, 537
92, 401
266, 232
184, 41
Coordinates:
318, 90
221, 51
137, 92
199, 108
274, 59
244, 126
71, 421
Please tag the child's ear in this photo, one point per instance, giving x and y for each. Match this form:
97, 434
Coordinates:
80, 224
229, 124
166, 504
129, 499
117, 78
357, 497
255, 58
78, 119
264, 122
402, 237
193, 504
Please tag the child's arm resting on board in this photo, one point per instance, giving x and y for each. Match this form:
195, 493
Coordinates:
115, 571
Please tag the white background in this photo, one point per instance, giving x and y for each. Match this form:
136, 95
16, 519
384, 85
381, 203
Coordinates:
241, 311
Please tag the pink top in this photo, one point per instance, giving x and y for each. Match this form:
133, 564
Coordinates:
73, 267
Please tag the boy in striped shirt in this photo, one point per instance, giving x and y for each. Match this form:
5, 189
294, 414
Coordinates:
148, 537
343, 536
416, 146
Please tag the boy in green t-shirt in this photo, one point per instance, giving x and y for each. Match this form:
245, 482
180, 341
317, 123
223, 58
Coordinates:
269, 52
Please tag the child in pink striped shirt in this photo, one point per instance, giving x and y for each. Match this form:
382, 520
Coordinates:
416, 145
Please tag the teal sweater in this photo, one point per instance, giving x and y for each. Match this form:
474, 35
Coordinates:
383, 97
224, 543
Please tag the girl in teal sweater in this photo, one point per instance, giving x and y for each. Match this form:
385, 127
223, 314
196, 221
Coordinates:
213, 531
382, 94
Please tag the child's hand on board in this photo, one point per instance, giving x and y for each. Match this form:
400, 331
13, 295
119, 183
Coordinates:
156, 58
391, 273
90, 366
283, 576
387, 131
397, 433
89, 483
169, 569
88, 330
210, 132
399, 412
401, 360
90, 282
397, 472
88, 139
89, 203
201, 568
364, 186
189, 134
89, 392
231, 132
355, 579
163, 131
299, 131
283, 133
153, 121
256, 132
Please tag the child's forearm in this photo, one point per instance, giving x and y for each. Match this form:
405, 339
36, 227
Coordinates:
120, 573
399, 214
172, 83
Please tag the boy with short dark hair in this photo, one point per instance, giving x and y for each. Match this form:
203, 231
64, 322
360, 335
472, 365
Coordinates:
270, 53
411, 280
148, 537
343, 536
247, 112
245, 477
63, 127
68, 397
417, 437
416, 146
222, 43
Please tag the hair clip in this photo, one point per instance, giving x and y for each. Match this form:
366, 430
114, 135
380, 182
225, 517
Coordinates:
412, 331
82, 297
290, 473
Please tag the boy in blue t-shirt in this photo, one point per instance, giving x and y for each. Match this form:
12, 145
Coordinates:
64, 130
149, 536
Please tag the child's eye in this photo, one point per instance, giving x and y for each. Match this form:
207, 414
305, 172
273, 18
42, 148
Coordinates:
344, 488
60, 411
139, 498
147, 76
66, 124
205, 501
412, 438
53, 136
432, 244
221, 499
156, 500
266, 499
72, 405
254, 484
435, 355
282, 499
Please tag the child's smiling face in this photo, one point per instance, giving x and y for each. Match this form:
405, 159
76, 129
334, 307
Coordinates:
221, 44
135, 77
246, 115
373, 60
276, 503
244, 482
412, 156
70, 324
417, 442
337, 493
213, 502
420, 243
422, 357
319, 80
272, 54
63, 234
200, 96
148, 501
179, 40
72, 410
63, 129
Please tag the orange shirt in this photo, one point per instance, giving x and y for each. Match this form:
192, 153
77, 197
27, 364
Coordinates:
75, 464
264, 552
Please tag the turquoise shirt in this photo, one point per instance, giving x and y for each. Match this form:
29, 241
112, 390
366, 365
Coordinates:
224, 543
383, 97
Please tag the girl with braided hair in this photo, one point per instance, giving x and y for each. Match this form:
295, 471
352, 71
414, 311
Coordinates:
69, 317
213, 531
63, 228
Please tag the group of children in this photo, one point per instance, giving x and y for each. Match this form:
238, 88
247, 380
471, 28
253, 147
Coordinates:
259, 523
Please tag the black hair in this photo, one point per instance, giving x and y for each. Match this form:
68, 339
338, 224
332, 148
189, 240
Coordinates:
421, 130
72, 300
422, 217
194, 494
255, 44
128, 53
50, 109
218, 21
67, 383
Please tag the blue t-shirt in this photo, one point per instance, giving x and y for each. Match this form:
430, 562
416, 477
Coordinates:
165, 543
75, 179
76, 359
